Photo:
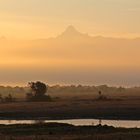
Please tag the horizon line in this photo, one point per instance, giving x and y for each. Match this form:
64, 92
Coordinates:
3, 37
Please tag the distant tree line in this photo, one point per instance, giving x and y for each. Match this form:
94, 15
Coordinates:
36, 91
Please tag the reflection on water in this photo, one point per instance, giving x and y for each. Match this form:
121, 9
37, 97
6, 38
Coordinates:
79, 122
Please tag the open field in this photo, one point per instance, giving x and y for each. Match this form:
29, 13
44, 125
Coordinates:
73, 108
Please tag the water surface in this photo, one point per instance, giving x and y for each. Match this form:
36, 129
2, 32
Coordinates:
79, 122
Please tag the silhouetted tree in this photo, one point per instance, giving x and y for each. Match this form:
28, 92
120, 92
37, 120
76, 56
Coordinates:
101, 97
38, 88
100, 93
38, 91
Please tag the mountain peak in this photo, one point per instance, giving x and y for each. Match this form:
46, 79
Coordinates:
71, 31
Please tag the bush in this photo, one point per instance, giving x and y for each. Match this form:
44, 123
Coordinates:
38, 92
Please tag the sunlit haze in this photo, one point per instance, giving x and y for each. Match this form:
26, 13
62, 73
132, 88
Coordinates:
86, 42
46, 18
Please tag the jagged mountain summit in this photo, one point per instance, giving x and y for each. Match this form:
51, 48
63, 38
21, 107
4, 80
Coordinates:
72, 32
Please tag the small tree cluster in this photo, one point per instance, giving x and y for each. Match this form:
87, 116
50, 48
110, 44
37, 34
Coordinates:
37, 92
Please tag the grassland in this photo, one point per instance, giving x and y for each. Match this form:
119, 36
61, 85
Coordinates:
73, 108
73, 102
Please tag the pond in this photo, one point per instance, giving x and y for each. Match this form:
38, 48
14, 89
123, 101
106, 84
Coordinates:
79, 122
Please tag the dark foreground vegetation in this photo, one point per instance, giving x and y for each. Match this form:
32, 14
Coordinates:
55, 131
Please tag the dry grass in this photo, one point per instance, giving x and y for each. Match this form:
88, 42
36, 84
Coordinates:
72, 108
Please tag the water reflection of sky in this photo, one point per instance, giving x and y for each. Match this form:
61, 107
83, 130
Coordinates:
76, 122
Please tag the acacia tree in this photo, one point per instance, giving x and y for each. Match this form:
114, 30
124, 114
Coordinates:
37, 91
38, 88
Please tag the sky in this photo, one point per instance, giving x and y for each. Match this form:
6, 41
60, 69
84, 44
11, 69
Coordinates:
69, 60
48, 18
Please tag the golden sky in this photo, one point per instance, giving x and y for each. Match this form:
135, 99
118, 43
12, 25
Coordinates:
66, 59
46, 18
